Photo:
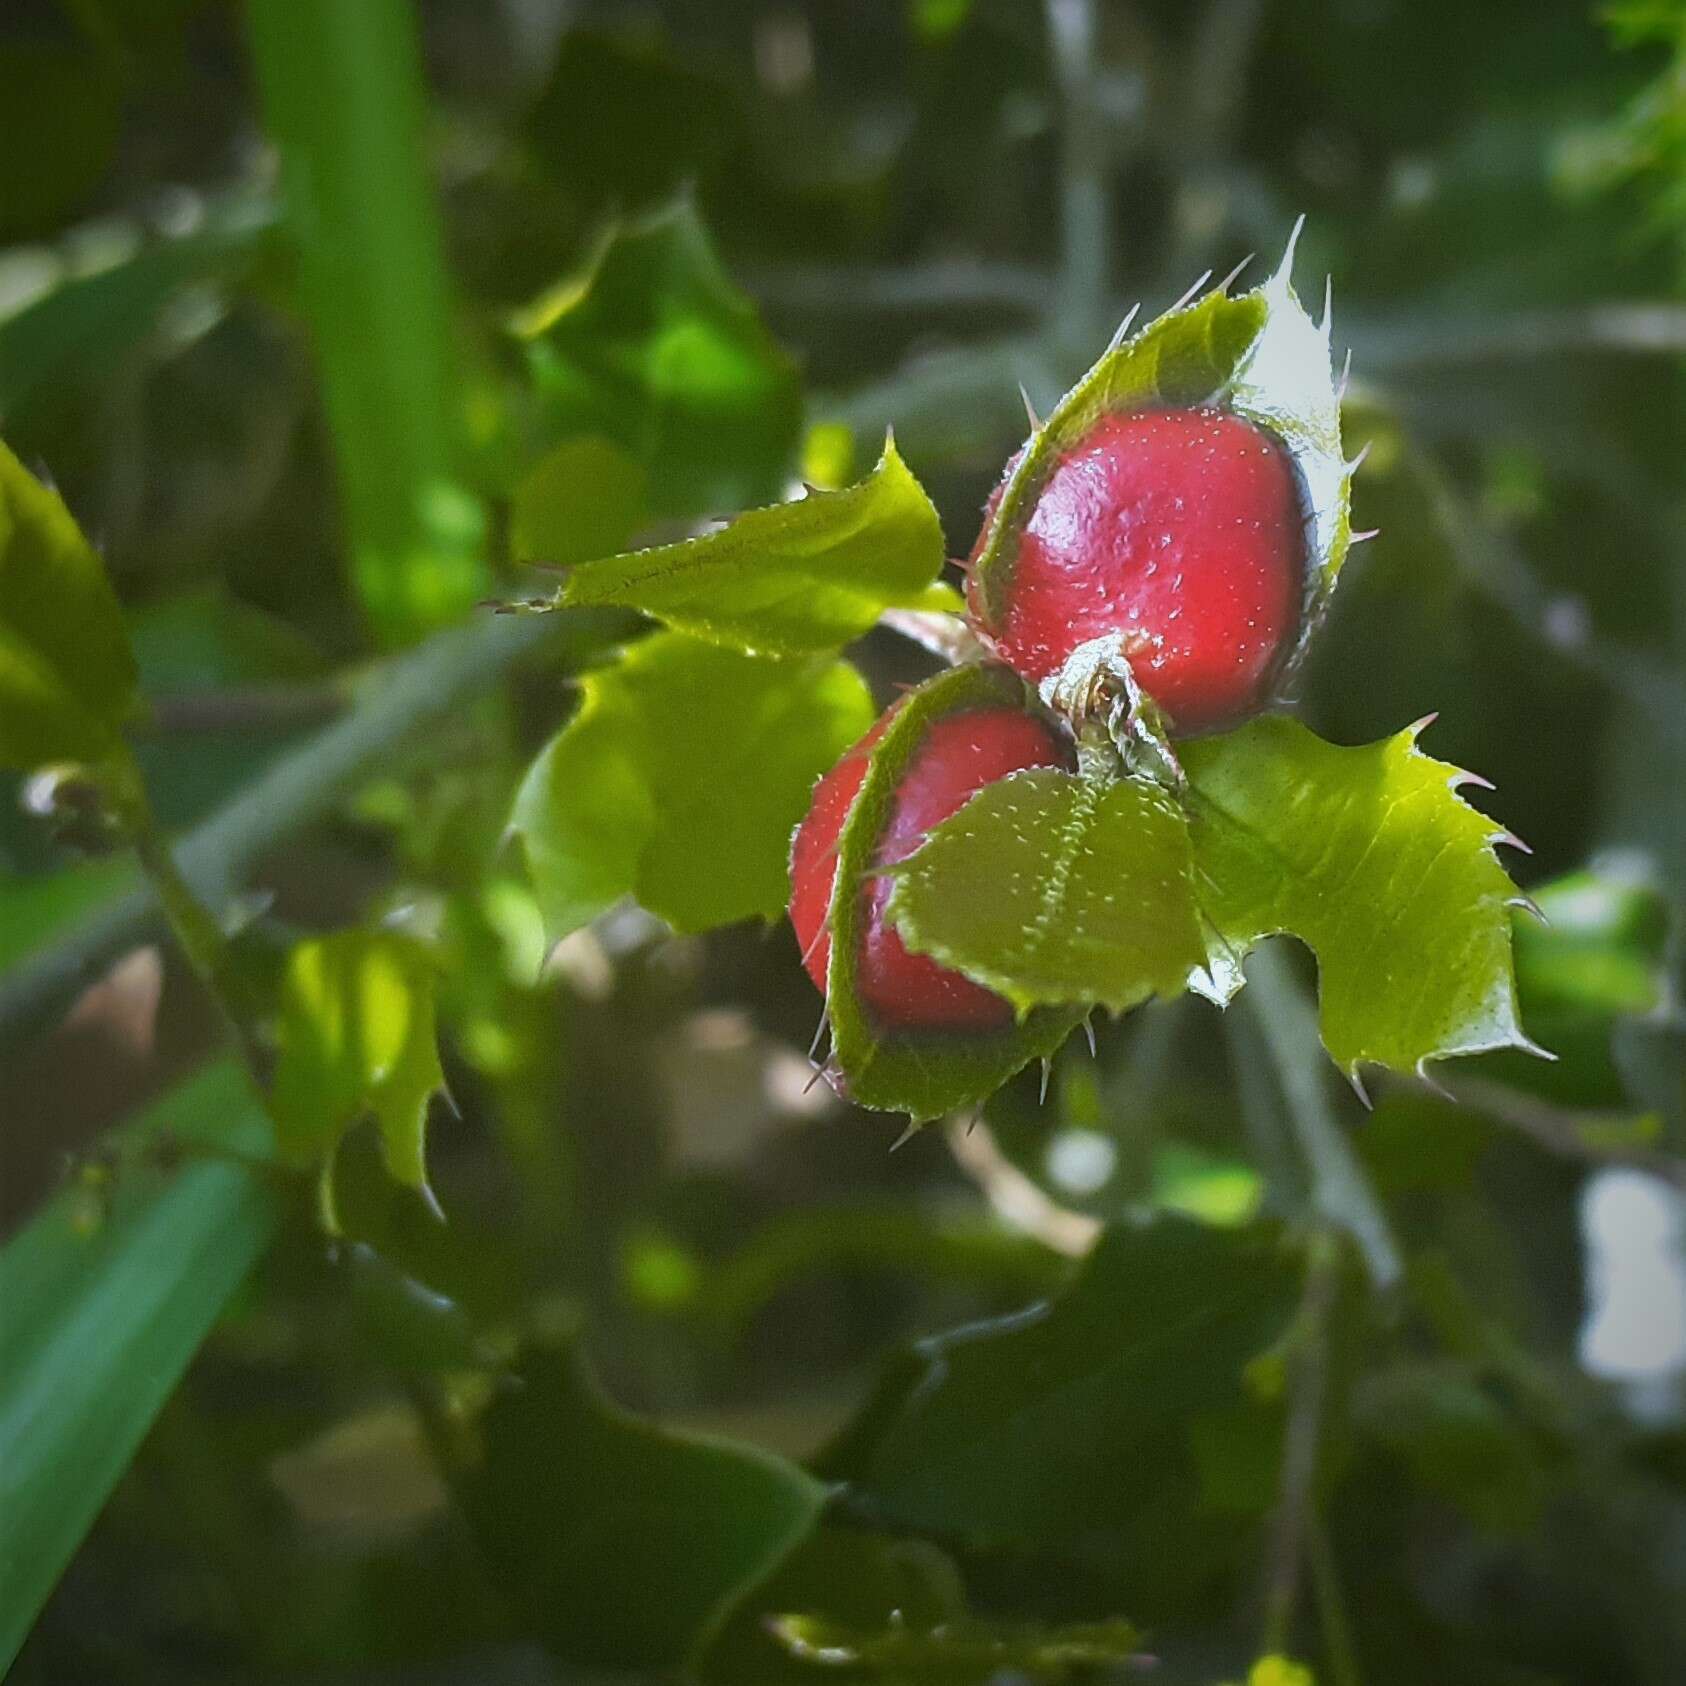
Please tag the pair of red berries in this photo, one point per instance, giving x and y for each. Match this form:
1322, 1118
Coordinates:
1181, 531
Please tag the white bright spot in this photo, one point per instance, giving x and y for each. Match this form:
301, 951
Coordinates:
1081, 1161
1635, 1331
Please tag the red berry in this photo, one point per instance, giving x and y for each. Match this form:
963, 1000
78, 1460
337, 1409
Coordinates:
959, 755
1180, 530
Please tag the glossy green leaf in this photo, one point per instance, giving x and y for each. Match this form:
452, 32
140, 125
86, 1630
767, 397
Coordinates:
680, 780
619, 1543
356, 1039
923, 1074
67, 676
1259, 355
654, 349
1371, 858
107, 1294
1052, 888
797, 577
1073, 1417
342, 97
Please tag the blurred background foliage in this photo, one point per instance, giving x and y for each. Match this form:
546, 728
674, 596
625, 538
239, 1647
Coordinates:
319, 314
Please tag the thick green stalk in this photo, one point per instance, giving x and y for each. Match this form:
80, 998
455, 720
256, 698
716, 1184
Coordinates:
343, 99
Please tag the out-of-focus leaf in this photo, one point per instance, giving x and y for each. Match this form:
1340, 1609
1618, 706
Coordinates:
106, 1295
620, 1544
34, 909
356, 1037
62, 112
1072, 1417
81, 327
958, 1651
1599, 948
67, 677
1053, 889
343, 100
583, 499
1373, 860
797, 577
840, 1575
1459, 1442
655, 349
680, 781
1259, 355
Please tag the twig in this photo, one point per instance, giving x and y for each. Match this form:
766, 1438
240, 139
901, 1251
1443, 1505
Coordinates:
251, 708
1084, 235
1559, 1130
1340, 1192
1308, 1366
215, 858
1014, 1197
946, 636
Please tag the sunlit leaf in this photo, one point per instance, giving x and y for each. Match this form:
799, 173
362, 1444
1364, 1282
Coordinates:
1051, 888
801, 576
356, 1034
680, 780
1370, 857
621, 1544
67, 676
654, 349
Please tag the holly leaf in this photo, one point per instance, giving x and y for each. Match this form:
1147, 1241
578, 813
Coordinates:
1259, 355
356, 1040
921, 1073
1052, 888
67, 675
654, 349
797, 577
680, 780
1071, 1420
621, 1544
1370, 857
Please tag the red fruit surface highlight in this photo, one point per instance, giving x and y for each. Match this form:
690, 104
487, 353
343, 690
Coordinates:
1181, 530
959, 755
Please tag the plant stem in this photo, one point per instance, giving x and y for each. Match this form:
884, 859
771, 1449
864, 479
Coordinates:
1340, 1656
1340, 1192
1308, 1360
1081, 299
216, 857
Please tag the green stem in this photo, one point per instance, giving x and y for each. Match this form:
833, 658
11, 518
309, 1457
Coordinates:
215, 859
1308, 1381
1340, 1191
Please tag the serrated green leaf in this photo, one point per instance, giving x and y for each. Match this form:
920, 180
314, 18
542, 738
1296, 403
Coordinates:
654, 348
67, 676
1052, 888
623, 1545
797, 577
1370, 857
356, 1039
680, 780
923, 1074
1259, 355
